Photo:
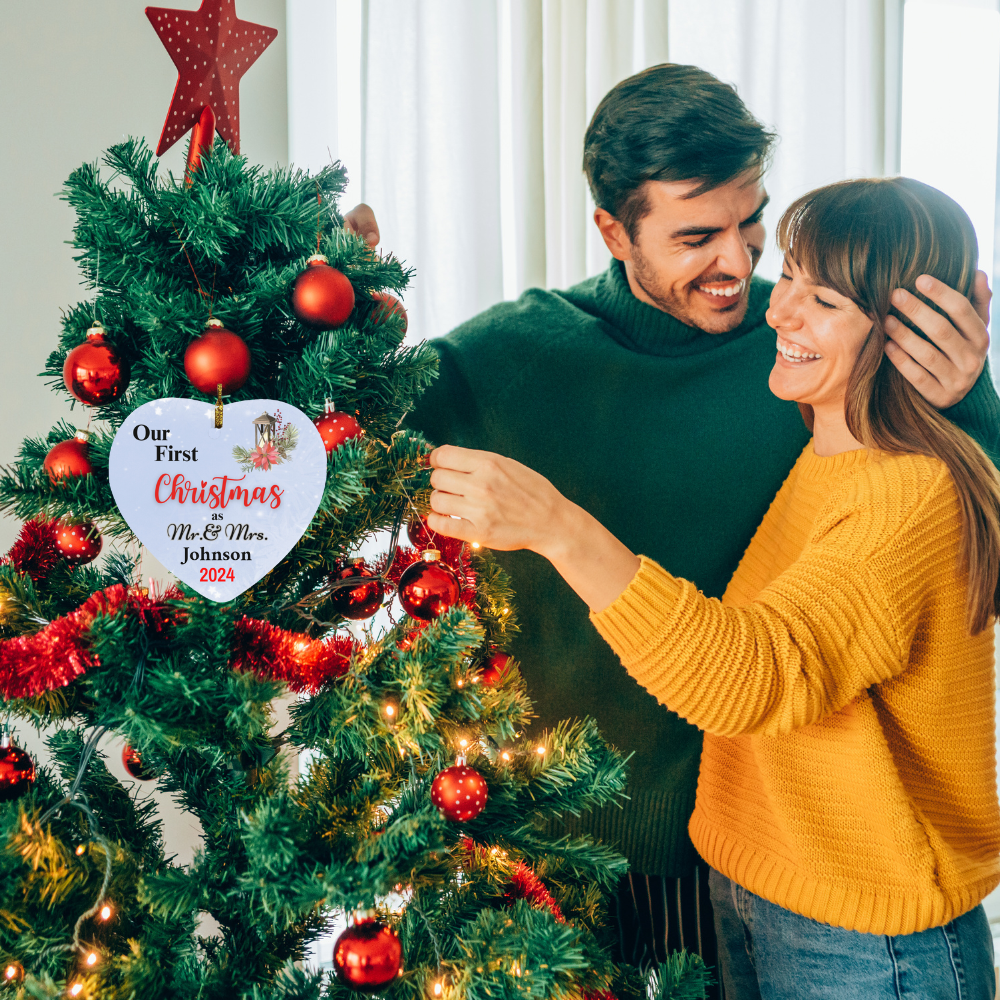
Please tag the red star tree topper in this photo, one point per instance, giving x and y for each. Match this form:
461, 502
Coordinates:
212, 49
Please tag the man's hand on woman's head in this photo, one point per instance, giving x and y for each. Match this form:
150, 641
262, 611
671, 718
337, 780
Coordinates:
944, 370
360, 220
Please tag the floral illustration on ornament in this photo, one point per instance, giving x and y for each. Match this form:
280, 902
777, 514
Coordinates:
273, 441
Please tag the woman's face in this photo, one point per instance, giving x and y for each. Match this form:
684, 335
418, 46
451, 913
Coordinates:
820, 334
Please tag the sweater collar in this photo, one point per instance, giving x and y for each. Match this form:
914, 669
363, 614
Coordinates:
647, 330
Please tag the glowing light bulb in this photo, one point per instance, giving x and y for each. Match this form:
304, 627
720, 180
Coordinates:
76, 989
438, 989
10, 972
463, 743
505, 755
505, 611
475, 545
301, 645
390, 710
540, 750
80, 850
91, 959
460, 683
106, 912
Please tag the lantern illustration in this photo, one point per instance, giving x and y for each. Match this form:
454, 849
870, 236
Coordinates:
263, 429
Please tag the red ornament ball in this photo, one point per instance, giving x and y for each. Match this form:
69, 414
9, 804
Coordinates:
428, 587
387, 305
93, 372
459, 792
322, 295
368, 955
78, 542
335, 428
495, 668
358, 603
17, 770
69, 458
217, 357
420, 536
133, 762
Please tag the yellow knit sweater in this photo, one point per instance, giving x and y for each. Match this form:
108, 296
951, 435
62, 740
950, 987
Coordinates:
848, 772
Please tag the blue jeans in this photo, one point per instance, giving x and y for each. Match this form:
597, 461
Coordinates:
769, 953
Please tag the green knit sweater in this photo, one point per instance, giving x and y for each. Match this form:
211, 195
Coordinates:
671, 438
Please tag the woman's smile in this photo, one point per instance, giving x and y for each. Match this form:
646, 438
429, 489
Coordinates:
796, 353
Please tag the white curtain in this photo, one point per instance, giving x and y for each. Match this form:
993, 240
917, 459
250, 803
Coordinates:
824, 75
462, 122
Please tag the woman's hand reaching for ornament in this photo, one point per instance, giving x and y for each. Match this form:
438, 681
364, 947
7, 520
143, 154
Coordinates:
499, 503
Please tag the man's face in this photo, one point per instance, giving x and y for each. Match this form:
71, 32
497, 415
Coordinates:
693, 257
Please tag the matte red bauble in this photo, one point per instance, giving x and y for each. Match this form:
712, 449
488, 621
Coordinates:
69, 458
78, 542
459, 792
133, 762
428, 587
495, 669
387, 305
358, 603
217, 357
17, 770
322, 295
420, 536
335, 428
367, 956
93, 372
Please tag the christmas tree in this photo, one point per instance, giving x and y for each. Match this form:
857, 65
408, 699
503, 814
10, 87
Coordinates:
424, 811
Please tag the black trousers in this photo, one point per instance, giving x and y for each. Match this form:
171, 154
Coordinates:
657, 915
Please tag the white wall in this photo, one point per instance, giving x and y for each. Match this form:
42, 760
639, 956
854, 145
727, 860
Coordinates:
78, 77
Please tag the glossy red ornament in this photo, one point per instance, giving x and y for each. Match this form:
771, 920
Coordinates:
322, 295
358, 603
494, 670
387, 305
17, 770
93, 372
133, 762
459, 792
368, 955
428, 587
69, 458
217, 357
78, 542
335, 428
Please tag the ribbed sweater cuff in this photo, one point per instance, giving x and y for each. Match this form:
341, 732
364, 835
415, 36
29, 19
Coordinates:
631, 623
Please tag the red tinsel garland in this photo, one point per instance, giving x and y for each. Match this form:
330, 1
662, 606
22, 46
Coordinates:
58, 653
523, 884
35, 551
303, 664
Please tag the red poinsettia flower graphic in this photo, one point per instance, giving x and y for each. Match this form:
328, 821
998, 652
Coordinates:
264, 456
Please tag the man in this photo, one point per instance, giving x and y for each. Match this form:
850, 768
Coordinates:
618, 390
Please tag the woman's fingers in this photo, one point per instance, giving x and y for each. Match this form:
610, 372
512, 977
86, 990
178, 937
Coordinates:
452, 527
449, 481
449, 456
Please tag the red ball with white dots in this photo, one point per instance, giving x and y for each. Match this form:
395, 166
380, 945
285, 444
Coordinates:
335, 428
78, 543
459, 792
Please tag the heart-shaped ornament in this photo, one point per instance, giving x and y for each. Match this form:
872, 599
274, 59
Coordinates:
220, 508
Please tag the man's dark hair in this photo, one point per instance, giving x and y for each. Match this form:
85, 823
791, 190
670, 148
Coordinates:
668, 123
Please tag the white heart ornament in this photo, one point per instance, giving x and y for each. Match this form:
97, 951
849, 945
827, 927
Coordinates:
219, 507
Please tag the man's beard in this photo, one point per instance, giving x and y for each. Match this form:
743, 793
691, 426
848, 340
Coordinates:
667, 300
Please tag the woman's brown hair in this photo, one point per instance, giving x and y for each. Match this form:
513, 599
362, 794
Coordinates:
865, 239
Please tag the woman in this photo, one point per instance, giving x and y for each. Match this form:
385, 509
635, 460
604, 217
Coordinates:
847, 795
